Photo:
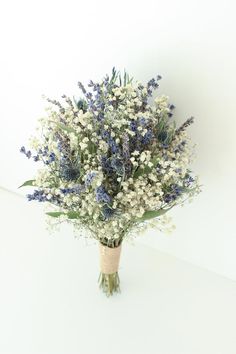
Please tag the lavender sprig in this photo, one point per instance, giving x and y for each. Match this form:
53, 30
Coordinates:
188, 122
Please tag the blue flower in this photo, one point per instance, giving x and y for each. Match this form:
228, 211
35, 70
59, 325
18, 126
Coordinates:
117, 165
37, 195
77, 189
82, 105
180, 147
147, 137
113, 146
89, 96
188, 181
162, 136
173, 193
26, 153
105, 134
89, 178
69, 173
22, 149
107, 212
133, 126
45, 151
102, 195
106, 165
142, 121
167, 198
40, 196
153, 84
81, 86
52, 157
100, 116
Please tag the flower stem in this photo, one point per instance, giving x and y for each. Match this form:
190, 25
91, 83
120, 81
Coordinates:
109, 283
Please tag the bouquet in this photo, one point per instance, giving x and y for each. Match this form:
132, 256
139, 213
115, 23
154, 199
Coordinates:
111, 163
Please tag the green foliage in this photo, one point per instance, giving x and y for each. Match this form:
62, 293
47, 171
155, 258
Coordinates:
151, 214
66, 128
92, 148
142, 171
69, 214
81, 104
28, 183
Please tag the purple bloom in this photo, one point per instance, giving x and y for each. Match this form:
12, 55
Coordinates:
174, 191
133, 126
106, 165
22, 149
52, 157
180, 147
102, 195
113, 146
37, 195
117, 166
89, 178
77, 189
89, 96
188, 180
142, 121
152, 85
105, 134
28, 154
148, 137
40, 196
81, 86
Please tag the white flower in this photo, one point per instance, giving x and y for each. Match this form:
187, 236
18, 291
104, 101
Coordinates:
143, 156
132, 159
83, 146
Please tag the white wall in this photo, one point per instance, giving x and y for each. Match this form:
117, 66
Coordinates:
47, 47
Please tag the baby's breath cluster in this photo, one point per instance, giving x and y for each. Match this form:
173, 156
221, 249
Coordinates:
111, 162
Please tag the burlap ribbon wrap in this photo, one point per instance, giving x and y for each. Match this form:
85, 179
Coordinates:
109, 259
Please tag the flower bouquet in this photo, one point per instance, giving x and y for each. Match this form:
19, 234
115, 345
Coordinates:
112, 163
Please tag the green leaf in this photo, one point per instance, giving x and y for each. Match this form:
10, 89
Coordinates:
146, 169
27, 183
151, 214
70, 214
142, 171
66, 128
92, 148
55, 214
73, 215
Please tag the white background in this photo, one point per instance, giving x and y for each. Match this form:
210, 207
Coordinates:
50, 302
46, 47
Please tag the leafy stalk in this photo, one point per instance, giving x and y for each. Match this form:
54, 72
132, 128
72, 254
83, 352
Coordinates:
69, 214
151, 214
28, 183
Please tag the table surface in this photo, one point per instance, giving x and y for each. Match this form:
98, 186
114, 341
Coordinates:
50, 302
